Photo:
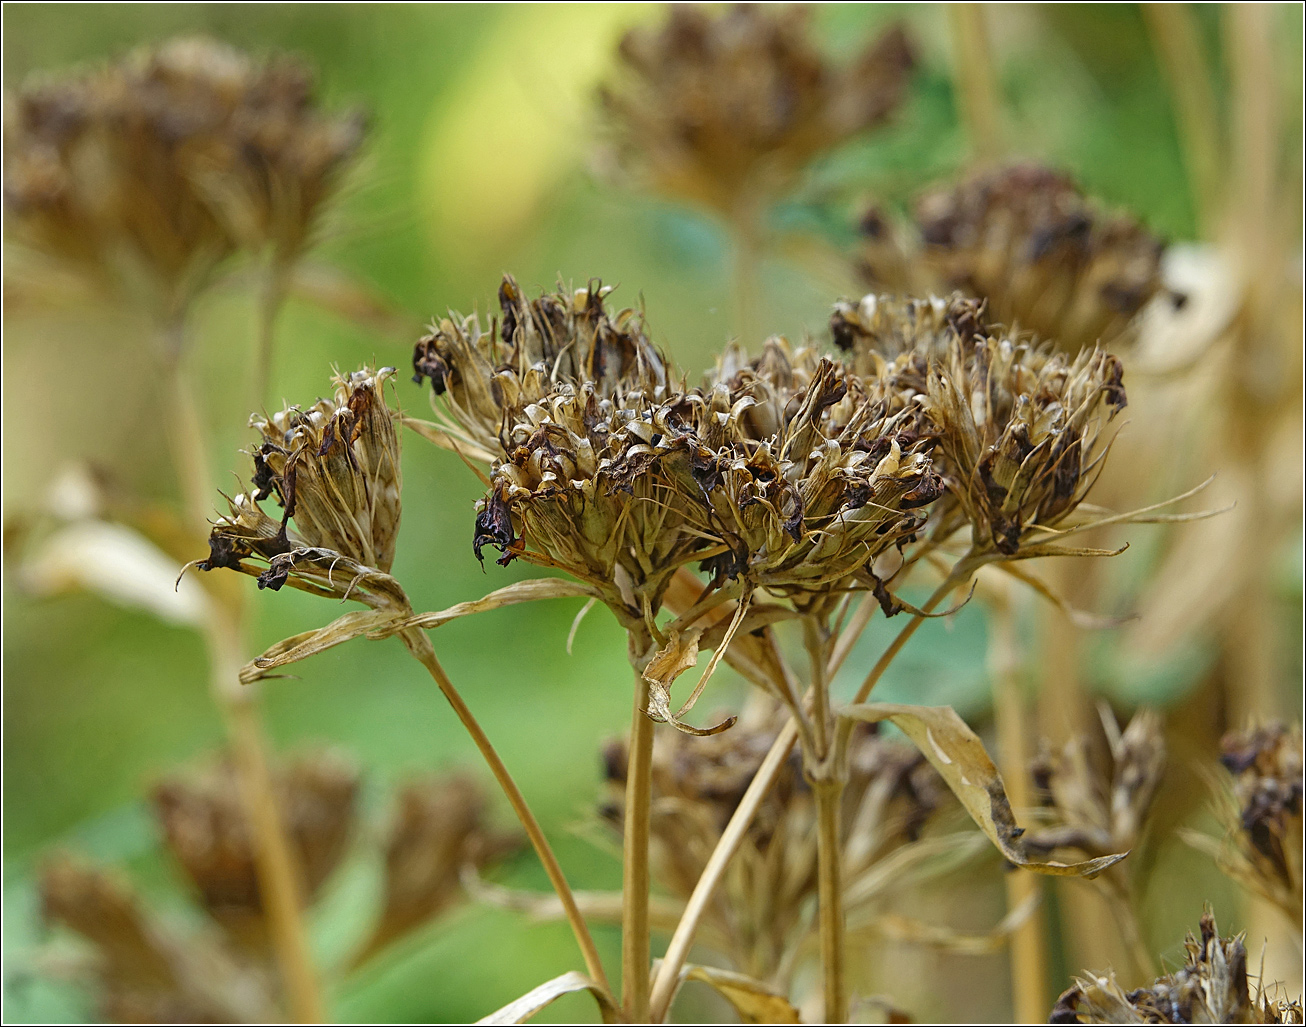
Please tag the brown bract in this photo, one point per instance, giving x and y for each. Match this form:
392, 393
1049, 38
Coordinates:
722, 110
149, 172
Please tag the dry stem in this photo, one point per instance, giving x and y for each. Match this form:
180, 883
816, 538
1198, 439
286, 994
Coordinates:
420, 646
974, 79
829, 799
635, 955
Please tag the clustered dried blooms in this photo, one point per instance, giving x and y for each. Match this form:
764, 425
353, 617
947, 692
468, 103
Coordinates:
1024, 238
721, 110
207, 830
148, 973
334, 470
1266, 765
153, 170
1091, 810
1211, 987
761, 916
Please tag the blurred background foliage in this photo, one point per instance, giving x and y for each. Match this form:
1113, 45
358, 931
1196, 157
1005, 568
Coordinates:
480, 161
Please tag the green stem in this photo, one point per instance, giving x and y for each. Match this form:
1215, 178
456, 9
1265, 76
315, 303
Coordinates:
420, 647
635, 954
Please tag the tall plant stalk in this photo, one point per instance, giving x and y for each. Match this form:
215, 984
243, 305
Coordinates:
278, 876
635, 953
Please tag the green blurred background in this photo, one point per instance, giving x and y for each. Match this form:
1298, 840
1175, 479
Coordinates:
479, 162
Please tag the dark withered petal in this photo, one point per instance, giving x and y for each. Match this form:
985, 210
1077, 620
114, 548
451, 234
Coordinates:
494, 528
224, 551
427, 363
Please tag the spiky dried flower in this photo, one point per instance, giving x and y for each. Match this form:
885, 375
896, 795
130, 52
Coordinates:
1100, 812
1211, 987
1263, 843
439, 829
723, 110
762, 914
207, 829
334, 469
144, 974
151, 171
484, 378
1026, 240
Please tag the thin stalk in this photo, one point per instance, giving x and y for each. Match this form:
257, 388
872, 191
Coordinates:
682, 940
1122, 905
278, 875
974, 79
1028, 952
745, 277
829, 800
635, 955
269, 306
420, 647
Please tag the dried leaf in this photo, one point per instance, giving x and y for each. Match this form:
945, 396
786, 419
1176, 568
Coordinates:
373, 623
522, 1009
957, 753
118, 564
908, 929
445, 439
754, 1001
673, 659
595, 906
1077, 617
518, 592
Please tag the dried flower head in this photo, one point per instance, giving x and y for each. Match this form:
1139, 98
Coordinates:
762, 915
334, 469
142, 973
440, 828
207, 829
1263, 842
1097, 812
1044, 257
1211, 987
1020, 432
565, 337
153, 170
723, 110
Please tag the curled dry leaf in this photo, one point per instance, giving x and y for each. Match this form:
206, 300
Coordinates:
518, 592
754, 1001
374, 624
673, 659
522, 1009
118, 564
957, 753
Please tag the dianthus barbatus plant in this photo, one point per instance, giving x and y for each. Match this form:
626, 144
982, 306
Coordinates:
1025, 239
334, 469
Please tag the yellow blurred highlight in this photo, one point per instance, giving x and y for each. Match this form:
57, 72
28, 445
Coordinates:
522, 116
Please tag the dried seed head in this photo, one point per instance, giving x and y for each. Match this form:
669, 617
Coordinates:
151, 171
1045, 259
1266, 827
440, 828
487, 379
762, 915
718, 110
1020, 432
1100, 813
1211, 987
143, 974
206, 827
334, 469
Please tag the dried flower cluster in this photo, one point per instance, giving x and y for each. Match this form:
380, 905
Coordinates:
719, 110
1211, 987
762, 916
153, 170
1099, 812
334, 470
146, 972
1025, 239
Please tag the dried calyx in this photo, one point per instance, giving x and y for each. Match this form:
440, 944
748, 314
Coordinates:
723, 110
761, 919
150, 171
1211, 987
334, 470
1026, 240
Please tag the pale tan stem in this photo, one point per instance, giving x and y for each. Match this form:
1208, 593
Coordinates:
829, 851
745, 285
1122, 905
420, 647
682, 940
1179, 48
278, 874
974, 79
635, 955
270, 302
1028, 951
